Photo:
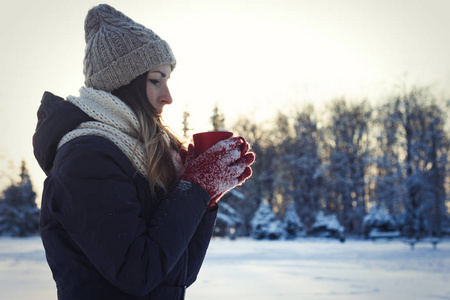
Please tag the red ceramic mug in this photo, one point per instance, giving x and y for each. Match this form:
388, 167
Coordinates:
205, 140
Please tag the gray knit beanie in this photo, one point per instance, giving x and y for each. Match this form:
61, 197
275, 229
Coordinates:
118, 49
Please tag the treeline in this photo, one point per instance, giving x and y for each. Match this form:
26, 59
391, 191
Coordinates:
342, 161
351, 157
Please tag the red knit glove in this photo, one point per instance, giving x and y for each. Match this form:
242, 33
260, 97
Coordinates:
220, 168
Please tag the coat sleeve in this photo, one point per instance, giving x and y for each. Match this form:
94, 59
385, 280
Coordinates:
199, 244
95, 201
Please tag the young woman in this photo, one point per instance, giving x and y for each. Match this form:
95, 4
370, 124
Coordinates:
127, 212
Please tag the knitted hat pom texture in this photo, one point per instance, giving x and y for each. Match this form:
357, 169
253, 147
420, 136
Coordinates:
118, 49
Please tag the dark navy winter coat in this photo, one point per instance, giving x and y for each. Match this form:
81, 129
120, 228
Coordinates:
104, 236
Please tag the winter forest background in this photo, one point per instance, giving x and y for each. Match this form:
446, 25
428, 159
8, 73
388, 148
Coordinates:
348, 169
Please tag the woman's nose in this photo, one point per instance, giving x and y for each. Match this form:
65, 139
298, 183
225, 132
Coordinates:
166, 97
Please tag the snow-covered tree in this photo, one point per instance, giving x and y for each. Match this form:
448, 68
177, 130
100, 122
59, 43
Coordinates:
349, 152
419, 178
260, 185
292, 225
229, 222
237, 206
265, 225
298, 165
327, 226
19, 215
378, 218
388, 174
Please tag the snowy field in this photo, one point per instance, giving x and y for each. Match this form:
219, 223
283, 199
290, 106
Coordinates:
245, 269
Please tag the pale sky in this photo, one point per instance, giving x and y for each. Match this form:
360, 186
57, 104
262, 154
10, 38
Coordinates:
251, 57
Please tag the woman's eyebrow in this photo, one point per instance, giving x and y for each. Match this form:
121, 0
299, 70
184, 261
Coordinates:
162, 73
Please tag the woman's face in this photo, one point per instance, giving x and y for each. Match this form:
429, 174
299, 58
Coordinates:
157, 90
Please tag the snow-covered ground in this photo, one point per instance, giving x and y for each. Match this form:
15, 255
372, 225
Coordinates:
247, 269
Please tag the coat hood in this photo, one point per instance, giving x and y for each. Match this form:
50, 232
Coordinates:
56, 117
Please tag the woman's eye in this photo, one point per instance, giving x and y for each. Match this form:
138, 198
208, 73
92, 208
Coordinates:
154, 81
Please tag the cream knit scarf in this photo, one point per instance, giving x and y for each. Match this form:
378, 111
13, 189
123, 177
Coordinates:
115, 121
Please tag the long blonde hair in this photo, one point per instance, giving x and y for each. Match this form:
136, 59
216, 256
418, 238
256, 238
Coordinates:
159, 141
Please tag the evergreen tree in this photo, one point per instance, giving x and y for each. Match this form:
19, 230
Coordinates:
327, 226
378, 218
217, 119
19, 215
185, 123
265, 225
229, 221
292, 224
